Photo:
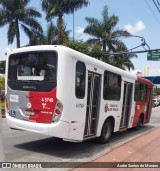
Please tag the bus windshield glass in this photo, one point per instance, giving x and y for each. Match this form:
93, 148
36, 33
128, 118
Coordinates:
33, 67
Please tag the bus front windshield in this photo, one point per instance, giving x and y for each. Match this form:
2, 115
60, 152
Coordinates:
33, 67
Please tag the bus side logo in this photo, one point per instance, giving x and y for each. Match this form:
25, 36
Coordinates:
106, 108
13, 113
29, 105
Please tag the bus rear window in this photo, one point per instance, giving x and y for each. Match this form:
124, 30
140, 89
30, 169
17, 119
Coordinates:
33, 71
33, 67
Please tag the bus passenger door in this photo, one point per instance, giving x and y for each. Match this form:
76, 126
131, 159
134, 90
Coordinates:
93, 98
126, 109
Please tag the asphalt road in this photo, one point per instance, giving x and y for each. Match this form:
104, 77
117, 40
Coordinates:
23, 146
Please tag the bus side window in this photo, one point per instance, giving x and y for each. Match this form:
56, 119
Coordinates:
140, 92
80, 80
144, 92
137, 93
112, 86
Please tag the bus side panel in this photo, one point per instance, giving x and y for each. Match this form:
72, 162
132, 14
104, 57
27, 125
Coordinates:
71, 114
143, 108
78, 115
109, 109
150, 110
140, 108
64, 85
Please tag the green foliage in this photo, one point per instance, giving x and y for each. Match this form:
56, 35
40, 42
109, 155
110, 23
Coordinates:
61, 7
104, 32
97, 52
2, 105
106, 37
2, 82
50, 37
122, 61
79, 46
51, 34
157, 91
83, 47
2, 67
58, 8
15, 13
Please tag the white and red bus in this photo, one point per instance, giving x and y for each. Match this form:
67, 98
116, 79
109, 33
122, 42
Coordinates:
57, 91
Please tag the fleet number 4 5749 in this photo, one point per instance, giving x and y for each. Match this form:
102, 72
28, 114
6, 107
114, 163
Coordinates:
46, 99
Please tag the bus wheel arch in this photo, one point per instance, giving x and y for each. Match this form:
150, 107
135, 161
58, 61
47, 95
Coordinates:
107, 130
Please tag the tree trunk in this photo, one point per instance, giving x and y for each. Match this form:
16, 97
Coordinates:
17, 34
60, 30
104, 49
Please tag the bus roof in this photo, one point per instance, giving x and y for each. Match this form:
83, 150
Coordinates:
78, 55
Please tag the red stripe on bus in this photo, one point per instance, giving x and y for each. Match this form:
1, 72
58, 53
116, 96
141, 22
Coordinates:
42, 104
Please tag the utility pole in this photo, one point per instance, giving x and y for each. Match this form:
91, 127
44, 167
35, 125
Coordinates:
1, 136
73, 24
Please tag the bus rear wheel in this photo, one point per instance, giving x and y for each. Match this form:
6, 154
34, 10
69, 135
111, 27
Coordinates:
106, 132
140, 123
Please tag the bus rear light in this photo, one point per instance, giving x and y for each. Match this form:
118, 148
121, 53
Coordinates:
59, 105
57, 111
6, 104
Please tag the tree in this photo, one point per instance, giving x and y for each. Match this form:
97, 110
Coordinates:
79, 46
2, 83
104, 32
51, 36
57, 8
48, 38
35, 38
2, 67
83, 47
15, 13
122, 61
157, 91
97, 52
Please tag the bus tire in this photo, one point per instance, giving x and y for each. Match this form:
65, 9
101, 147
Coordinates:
140, 123
106, 132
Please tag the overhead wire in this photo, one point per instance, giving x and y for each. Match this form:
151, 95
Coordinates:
156, 6
158, 2
152, 12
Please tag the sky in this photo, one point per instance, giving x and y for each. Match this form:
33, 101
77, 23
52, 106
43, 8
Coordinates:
139, 17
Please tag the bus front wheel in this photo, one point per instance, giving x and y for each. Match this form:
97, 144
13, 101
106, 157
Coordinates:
106, 132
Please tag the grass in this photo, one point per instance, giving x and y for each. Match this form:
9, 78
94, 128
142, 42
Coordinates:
3, 105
